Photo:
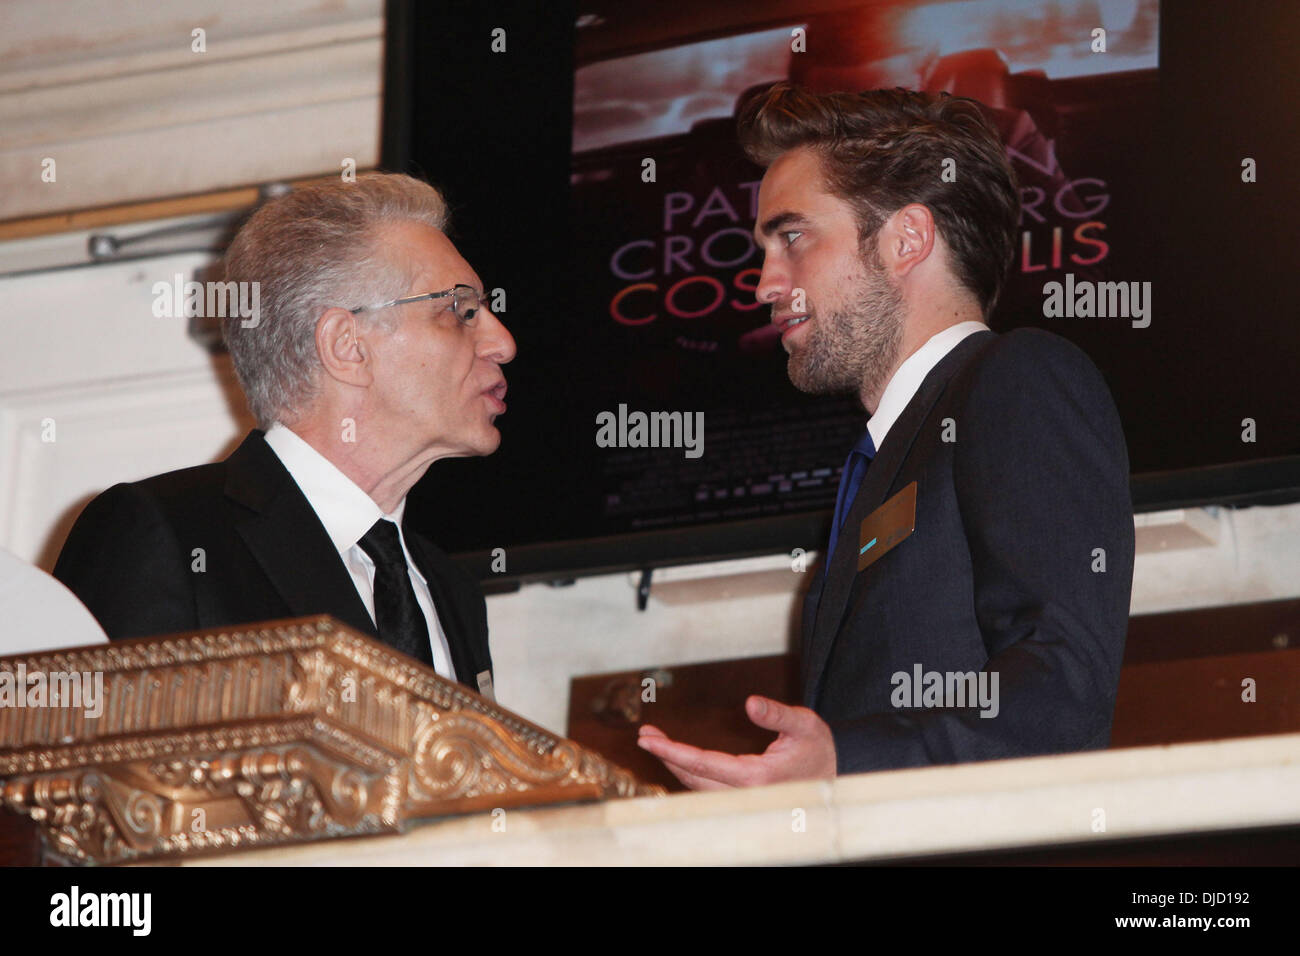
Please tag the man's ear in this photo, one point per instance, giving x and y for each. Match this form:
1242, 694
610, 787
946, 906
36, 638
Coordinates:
907, 239
344, 354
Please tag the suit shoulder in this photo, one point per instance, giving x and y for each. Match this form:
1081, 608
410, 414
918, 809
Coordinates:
165, 500
1036, 348
1027, 363
184, 493
1030, 389
185, 482
124, 561
152, 501
114, 510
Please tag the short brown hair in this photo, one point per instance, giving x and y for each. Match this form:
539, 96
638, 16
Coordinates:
883, 149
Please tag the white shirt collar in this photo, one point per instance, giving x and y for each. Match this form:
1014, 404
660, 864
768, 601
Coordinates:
903, 386
344, 509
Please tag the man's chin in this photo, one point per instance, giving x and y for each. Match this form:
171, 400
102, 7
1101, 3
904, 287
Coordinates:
814, 381
490, 441
482, 443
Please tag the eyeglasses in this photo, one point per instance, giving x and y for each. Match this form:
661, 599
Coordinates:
465, 301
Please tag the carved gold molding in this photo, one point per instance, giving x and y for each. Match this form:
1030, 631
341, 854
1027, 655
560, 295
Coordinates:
285, 732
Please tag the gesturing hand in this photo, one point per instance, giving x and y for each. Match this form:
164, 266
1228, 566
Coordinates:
804, 750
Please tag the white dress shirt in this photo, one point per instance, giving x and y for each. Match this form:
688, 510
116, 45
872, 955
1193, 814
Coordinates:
348, 513
903, 386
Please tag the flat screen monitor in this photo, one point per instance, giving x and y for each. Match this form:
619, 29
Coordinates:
588, 151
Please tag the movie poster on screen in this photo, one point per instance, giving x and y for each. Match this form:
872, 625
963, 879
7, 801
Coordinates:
663, 206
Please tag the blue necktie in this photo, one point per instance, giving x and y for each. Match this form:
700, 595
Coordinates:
855, 469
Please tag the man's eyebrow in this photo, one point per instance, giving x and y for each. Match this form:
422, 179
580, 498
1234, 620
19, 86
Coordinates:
781, 220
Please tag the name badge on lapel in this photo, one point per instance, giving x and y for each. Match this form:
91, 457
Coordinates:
485, 685
885, 527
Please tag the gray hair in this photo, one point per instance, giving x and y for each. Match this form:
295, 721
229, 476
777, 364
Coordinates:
308, 250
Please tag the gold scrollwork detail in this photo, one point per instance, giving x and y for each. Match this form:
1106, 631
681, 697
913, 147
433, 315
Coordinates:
281, 732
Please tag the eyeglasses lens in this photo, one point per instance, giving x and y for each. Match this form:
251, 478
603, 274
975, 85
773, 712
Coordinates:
466, 302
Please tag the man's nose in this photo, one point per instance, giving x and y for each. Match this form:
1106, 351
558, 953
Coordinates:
494, 340
773, 283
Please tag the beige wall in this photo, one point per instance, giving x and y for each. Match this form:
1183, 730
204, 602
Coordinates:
117, 96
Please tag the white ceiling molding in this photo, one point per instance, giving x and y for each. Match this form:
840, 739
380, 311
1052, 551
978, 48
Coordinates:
115, 95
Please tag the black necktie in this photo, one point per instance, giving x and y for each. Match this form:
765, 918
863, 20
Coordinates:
398, 618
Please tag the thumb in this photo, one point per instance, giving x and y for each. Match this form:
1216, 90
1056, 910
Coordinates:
771, 714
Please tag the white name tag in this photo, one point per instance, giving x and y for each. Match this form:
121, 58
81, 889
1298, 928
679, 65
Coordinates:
485, 685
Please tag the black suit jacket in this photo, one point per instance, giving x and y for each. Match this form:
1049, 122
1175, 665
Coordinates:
1014, 519
132, 558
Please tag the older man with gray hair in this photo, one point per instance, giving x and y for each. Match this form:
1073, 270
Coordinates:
373, 356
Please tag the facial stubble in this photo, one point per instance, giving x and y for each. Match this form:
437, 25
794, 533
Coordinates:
854, 347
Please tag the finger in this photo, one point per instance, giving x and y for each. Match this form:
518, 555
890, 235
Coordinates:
665, 748
773, 715
693, 781
711, 764
649, 730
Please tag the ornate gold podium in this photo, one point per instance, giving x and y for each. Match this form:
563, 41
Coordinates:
278, 733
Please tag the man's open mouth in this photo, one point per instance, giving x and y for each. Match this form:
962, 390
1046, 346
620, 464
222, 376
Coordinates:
497, 396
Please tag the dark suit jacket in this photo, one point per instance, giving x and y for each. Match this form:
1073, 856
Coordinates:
1001, 574
131, 556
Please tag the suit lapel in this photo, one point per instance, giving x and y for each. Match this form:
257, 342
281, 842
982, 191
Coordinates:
841, 567
288, 540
